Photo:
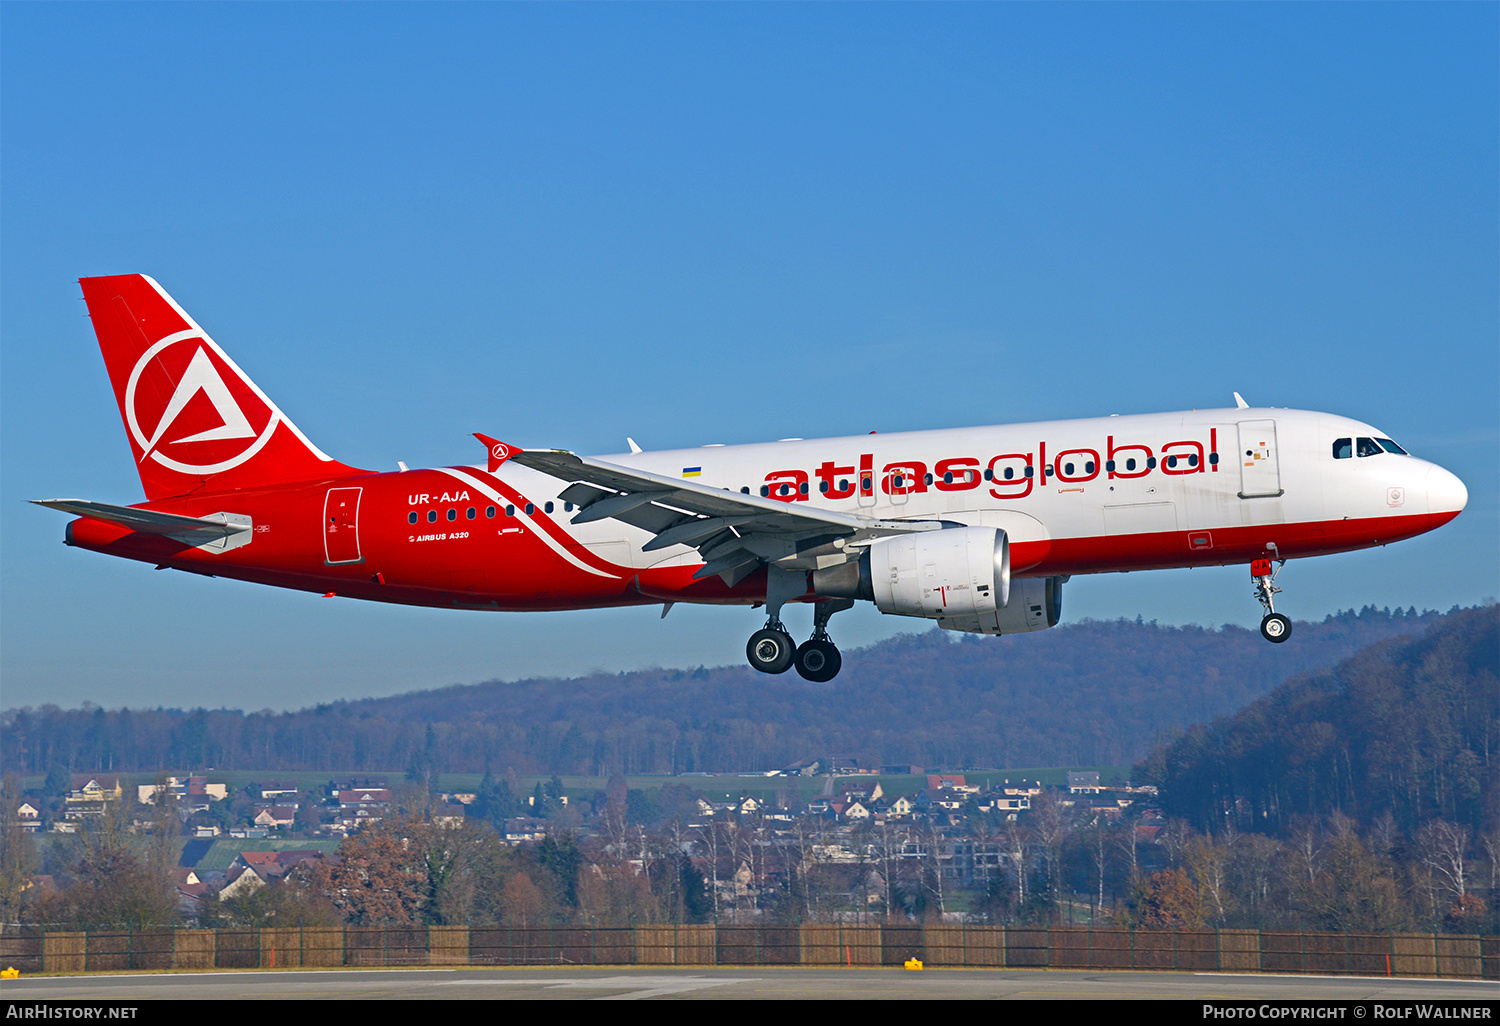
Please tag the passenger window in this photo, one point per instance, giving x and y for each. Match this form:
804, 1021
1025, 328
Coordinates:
489, 511
453, 514
510, 511
469, 513
1367, 447
1343, 448
432, 516
411, 518
548, 507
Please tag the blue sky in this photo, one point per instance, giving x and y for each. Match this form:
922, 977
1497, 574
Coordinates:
565, 224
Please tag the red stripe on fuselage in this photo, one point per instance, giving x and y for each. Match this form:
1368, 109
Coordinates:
287, 559
553, 529
1175, 549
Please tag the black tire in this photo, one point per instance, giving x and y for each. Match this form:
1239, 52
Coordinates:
1275, 627
770, 651
818, 661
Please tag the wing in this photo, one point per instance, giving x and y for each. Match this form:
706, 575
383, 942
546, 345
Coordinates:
734, 533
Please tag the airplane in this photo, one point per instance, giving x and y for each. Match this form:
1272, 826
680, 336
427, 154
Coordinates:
976, 529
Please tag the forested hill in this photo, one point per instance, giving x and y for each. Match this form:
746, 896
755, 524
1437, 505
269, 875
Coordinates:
1409, 727
1089, 693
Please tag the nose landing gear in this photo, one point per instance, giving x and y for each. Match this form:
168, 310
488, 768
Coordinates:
1273, 626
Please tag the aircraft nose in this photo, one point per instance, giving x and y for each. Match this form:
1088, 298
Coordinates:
1446, 495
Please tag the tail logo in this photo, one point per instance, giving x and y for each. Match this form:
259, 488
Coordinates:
213, 421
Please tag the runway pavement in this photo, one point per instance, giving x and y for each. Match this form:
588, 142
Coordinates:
750, 983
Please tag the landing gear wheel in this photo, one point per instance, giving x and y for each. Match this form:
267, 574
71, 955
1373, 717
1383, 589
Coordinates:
1275, 627
770, 651
818, 660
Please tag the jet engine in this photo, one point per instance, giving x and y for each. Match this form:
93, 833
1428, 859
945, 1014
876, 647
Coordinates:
953, 572
1035, 604
958, 576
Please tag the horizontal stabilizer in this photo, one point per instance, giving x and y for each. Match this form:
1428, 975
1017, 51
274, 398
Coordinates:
149, 521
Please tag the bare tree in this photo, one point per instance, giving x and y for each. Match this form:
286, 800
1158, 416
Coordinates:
1442, 847
1208, 862
710, 840
1125, 843
17, 852
1306, 848
1490, 841
1099, 845
1051, 825
1252, 862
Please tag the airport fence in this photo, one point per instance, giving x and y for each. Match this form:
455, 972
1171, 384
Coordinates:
1427, 955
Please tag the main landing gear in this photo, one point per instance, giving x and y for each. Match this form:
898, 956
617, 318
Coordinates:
1273, 626
771, 650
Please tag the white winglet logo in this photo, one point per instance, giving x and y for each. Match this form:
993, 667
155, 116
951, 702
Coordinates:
501, 451
201, 375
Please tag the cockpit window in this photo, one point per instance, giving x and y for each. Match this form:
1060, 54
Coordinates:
1367, 447
1343, 448
1392, 447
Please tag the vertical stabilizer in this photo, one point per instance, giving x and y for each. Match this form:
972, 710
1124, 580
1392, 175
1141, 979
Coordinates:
193, 418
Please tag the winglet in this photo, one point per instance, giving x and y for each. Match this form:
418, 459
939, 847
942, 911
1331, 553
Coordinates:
499, 452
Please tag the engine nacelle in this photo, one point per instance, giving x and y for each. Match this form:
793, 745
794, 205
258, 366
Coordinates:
957, 571
959, 576
1035, 604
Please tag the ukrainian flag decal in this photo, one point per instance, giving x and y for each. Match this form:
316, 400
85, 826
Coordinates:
692, 471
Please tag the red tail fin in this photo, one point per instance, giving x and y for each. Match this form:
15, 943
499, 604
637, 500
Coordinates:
193, 418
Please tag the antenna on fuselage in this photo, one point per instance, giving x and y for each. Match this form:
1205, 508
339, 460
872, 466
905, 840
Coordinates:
631, 442
1240, 403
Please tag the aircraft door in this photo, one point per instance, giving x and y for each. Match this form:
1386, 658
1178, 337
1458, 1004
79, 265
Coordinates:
341, 526
897, 485
1260, 471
